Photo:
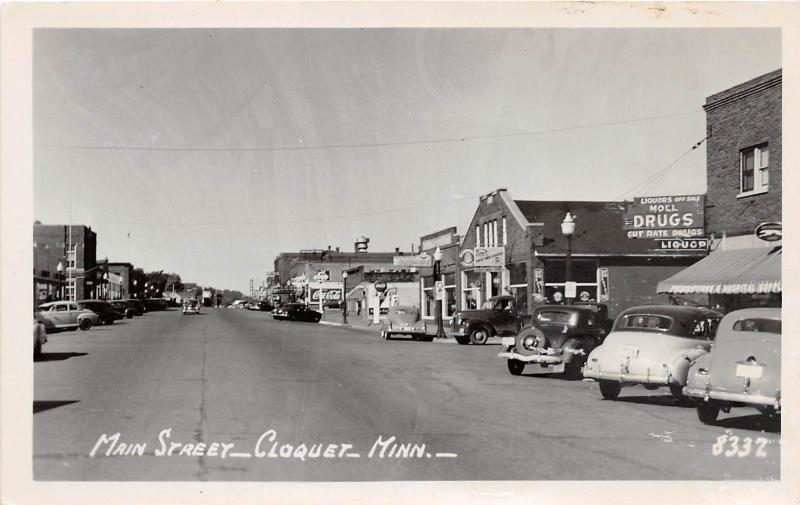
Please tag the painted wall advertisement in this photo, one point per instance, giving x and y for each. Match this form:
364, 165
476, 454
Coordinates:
666, 217
483, 257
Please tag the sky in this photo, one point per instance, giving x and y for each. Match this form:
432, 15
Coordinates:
207, 152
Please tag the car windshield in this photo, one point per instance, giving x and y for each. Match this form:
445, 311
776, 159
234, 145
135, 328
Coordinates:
758, 325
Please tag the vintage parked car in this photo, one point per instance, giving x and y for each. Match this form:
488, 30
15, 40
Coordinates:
558, 340
404, 320
296, 312
65, 315
652, 345
104, 310
743, 368
137, 306
156, 304
499, 316
191, 307
124, 307
40, 324
265, 306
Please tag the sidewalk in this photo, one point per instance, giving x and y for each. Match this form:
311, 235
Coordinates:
334, 318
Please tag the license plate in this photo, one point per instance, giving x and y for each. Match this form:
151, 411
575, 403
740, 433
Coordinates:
506, 341
628, 351
749, 371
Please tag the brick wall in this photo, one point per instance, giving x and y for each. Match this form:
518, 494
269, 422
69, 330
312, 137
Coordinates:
633, 285
740, 117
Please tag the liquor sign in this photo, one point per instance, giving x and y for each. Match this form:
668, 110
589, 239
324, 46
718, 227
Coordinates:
420, 260
679, 244
483, 257
664, 217
770, 232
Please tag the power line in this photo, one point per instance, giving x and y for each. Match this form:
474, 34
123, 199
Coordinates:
292, 221
653, 178
367, 145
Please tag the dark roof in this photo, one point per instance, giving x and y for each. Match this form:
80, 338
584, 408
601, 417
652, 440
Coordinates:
677, 312
598, 227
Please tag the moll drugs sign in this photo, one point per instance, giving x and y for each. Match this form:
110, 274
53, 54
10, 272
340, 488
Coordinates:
665, 217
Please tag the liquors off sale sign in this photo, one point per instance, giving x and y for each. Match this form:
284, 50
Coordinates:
665, 217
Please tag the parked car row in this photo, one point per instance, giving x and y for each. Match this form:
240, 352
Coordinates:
719, 362
83, 314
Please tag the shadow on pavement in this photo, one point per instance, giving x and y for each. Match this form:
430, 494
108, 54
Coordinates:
41, 406
755, 422
660, 400
59, 356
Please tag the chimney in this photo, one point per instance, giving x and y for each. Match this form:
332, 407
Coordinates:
397, 250
337, 248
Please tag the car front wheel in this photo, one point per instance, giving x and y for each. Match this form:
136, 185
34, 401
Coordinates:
85, 324
516, 366
610, 389
462, 340
479, 336
707, 412
37, 349
677, 391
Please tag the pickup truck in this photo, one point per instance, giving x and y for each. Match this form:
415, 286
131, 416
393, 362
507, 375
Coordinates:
499, 316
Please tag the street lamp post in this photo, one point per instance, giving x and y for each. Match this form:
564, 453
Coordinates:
568, 230
437, 278
59, 272
344, 297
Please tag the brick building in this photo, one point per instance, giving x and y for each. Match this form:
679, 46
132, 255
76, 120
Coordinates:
744, 174
517, 247
75, 246
448, 242
120, 280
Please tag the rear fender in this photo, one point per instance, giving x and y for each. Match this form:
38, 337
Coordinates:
679, 368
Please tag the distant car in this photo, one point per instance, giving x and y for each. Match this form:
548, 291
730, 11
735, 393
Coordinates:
652, 345
253, 306
65, 315
296, 312
156, 303
39, 333
404, 320
238, 304
124, 307
104, 310
137, 306
191, 307
265, 306
743, 368
559, 339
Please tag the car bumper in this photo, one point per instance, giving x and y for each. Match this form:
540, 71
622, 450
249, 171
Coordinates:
627, 377
726, 396
536, 358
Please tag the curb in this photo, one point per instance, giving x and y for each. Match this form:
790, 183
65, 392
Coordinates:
374, 330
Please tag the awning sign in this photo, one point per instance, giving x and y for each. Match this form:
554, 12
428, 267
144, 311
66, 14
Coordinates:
665, 217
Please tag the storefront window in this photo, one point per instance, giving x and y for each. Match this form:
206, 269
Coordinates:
584, 274
471, 284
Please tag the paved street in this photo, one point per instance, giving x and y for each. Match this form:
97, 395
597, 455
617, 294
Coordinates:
229, 376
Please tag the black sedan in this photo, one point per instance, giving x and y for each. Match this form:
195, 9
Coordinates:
104, 310
296, 312
124, 307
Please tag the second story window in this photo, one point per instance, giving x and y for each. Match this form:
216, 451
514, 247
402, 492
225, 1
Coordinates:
754, 170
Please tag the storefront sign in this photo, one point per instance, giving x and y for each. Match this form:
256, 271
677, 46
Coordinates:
602, 284
664, 217
483, 257
321, 276
322, 294
770, 232
420, 260
699, 244
570, 289
380, 286
538, 283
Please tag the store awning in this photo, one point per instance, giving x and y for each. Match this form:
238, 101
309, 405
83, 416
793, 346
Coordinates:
735, 271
